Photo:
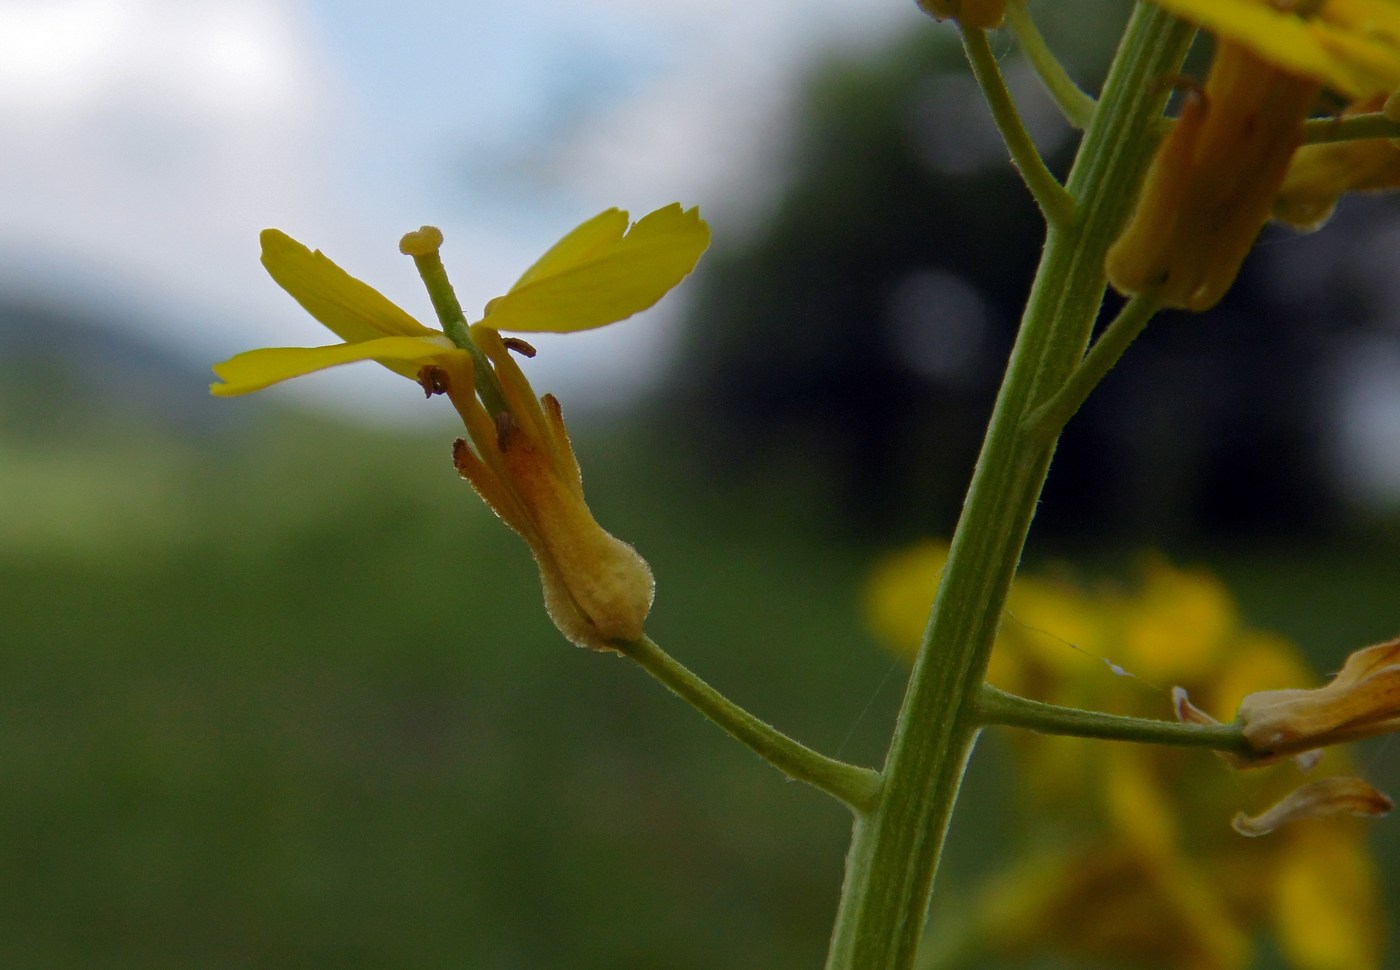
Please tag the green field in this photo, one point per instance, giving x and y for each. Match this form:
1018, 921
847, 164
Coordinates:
285, 697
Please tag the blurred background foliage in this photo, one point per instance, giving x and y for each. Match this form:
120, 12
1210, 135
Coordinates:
278, 691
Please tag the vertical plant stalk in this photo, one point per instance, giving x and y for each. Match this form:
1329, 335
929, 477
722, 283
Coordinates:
895, 849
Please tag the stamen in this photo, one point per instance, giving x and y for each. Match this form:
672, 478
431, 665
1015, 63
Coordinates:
458, 447
1181, 82
433, 380
505, 424
521, 347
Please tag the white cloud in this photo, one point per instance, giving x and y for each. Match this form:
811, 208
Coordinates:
147, 142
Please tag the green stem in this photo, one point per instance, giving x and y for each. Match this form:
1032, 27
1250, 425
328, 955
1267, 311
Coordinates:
1350, 128
998, 707
454, 324
1050, 418
895, 850
1055, 203
1074, 104
858, 787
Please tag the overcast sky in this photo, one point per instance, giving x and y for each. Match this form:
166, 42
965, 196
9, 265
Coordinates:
146, 142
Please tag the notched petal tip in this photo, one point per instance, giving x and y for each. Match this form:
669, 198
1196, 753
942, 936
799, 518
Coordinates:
1338, 795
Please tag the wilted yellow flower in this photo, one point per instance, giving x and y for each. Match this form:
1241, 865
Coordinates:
597, 588
1212, 183
1361, 701
1131, 858
1214, 179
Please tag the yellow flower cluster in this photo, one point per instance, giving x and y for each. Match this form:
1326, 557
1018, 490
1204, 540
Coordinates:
1131, 857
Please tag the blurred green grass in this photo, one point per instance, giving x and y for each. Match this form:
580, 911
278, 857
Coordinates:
290, 699
286, 696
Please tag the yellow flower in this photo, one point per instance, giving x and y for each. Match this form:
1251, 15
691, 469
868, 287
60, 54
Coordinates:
1350, 46
1214, 179
599, 273
597, 589
1130, 857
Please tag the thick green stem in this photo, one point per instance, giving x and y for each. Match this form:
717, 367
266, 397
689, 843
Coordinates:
895, 850
858, 787
998, 707
1049, 419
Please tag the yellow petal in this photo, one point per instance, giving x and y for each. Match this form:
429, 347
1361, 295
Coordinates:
599, 273
1352, 46
255, 369
352, 310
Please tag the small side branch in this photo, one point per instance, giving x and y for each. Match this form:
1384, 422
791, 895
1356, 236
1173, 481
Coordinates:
1055, 203
1076, 106
1350, 128
1050, 418
858, 787
998, 707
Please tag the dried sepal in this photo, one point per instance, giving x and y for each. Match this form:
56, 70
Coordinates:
597, 588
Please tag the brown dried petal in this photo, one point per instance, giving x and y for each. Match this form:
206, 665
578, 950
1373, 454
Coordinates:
1338, 795
1363, 699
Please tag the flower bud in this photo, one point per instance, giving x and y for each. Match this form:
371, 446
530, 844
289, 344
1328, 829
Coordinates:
985, 14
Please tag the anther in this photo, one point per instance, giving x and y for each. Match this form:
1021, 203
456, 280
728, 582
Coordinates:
433, 380
505, 424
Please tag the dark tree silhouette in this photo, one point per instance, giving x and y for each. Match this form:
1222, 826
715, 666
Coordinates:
855, 343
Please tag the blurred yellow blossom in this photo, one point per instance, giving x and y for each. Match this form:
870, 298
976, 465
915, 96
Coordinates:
1131, 858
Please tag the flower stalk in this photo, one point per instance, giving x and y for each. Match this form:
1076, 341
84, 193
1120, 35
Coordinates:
999, 707
1056, 205
857, 787
895, 849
